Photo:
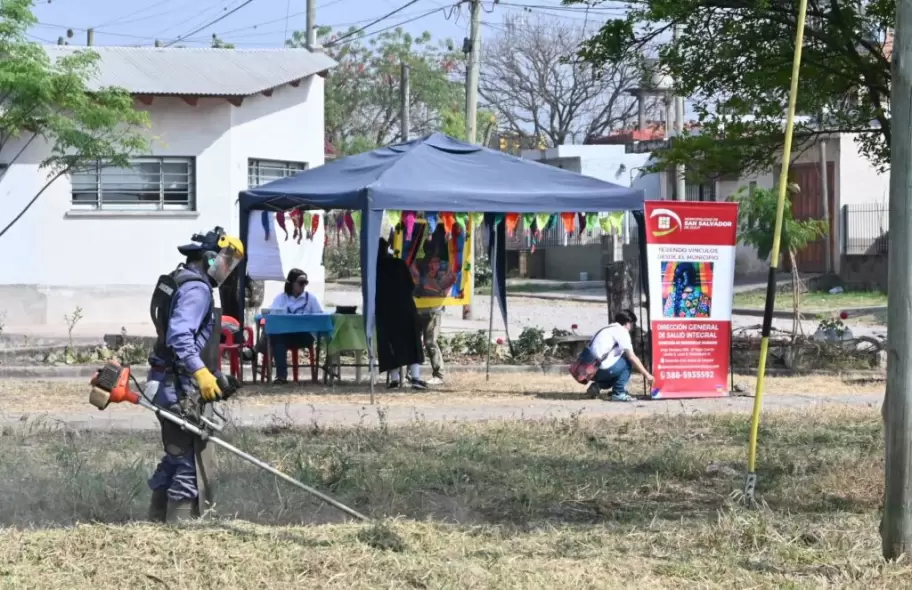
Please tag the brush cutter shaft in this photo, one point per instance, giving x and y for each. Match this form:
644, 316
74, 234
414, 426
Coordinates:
193, 429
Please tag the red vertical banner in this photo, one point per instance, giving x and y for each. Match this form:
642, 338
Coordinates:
690, 252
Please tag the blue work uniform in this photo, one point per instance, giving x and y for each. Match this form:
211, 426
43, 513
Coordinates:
190, 326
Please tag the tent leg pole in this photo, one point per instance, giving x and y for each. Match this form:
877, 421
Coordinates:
491, 312
370, 368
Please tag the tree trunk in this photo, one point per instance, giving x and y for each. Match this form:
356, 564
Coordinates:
796, 298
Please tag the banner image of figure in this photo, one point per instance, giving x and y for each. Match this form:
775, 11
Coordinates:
435, 260
687, 289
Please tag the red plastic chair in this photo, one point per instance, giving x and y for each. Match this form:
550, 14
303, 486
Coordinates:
233, 350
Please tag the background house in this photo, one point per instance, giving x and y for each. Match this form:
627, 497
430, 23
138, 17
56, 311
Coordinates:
221, 121
558, 256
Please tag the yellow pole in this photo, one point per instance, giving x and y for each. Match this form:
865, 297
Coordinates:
751, 481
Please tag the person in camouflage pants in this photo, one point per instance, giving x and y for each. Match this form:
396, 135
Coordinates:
431, 321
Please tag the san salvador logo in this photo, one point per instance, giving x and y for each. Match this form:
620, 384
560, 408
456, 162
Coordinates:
667, 222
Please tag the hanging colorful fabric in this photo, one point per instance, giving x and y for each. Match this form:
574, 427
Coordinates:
552, 222
591, 220
340, 220
528, 221
431, 218
448, 219
355, 217
581, 222
611, 221
461, 219
408, 220
498, 219
569, 220
315, 223
297, 219
477, 220
280, 217
264, 219
305, 225
541, 222
394, 217
512, 220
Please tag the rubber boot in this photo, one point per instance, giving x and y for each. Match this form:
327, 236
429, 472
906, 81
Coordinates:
158, 505
180, 511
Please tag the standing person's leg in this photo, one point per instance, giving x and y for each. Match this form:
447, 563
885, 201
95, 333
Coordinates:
280, 357
431, 334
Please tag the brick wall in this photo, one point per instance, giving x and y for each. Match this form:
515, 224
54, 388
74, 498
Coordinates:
864, 271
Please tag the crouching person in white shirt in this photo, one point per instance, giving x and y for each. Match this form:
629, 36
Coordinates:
613, 343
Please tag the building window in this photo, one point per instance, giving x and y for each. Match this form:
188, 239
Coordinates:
148, 184
263, 171
700, 192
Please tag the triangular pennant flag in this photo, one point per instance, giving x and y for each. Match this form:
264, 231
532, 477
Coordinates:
591, 220
448, 219
431, 219
541, 222
512, 223
611, 221
528, 221
552, 221
569, 221
393, 217
461, 219
477, 220
581, 223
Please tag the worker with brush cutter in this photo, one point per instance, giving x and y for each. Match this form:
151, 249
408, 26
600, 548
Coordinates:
183, 312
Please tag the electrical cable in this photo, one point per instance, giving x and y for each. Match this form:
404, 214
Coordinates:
207, 25
120, 19
379, 20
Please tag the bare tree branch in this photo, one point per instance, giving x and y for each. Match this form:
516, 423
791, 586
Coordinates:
533, 82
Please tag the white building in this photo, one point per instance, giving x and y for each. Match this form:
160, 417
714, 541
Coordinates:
221, 121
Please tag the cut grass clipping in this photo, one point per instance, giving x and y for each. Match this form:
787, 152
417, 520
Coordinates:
569, 503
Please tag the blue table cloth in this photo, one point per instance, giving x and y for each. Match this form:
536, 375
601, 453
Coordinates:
315, 323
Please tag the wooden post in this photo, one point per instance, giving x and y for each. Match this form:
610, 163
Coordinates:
896, 526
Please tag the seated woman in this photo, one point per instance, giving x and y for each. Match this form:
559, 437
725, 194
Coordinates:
295, 300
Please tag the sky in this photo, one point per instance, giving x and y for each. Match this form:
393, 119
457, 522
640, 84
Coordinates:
267, 23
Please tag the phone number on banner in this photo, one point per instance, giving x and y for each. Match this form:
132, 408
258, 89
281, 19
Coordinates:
687, 374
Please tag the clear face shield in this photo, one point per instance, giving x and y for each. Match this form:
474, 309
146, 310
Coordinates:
228, 258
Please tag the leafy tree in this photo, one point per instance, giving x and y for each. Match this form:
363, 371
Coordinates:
757, 222
49, 100
362, 92
733, 60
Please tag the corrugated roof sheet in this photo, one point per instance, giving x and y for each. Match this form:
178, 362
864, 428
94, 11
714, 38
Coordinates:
199, 71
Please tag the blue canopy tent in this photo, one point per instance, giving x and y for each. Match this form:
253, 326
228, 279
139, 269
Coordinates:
435, 173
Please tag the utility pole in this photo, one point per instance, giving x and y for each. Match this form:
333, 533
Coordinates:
471, 117
474, 64
404, 99
90, 37
896, 526
312, 25
825, 205
680, 186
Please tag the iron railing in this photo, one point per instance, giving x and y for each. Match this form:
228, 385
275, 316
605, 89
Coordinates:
865, 229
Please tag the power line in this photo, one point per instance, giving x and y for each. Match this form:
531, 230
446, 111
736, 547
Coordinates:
208, 12
126, 17
379, 20
207, 25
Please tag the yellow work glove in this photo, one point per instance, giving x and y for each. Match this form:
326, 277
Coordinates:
208, 384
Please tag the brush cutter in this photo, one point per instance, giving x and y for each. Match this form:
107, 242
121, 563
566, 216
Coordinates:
112, 384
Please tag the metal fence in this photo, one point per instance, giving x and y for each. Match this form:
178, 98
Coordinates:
865, 229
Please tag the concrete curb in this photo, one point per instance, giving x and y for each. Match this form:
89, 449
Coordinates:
87, 371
